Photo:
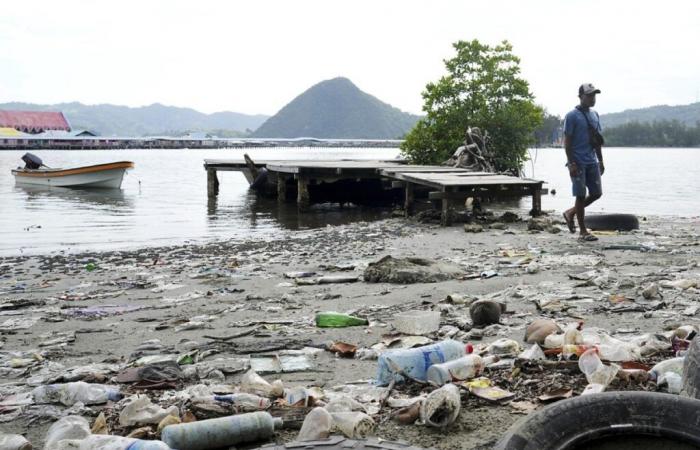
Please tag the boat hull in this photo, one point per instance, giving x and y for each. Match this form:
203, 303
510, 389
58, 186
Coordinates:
108, 176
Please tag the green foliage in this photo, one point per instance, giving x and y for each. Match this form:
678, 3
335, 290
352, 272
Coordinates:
548, 132
686, 114
337, 109
663, 133
482, 89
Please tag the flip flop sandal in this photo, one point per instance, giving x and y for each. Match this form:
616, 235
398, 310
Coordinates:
587, 238
569, 222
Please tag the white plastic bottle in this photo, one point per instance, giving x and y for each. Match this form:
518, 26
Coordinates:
674, 365
72, 393
415, 362
107, 442
464, 368
244, 401
221, 432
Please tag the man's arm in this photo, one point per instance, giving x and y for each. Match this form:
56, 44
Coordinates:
571, 162
599, 153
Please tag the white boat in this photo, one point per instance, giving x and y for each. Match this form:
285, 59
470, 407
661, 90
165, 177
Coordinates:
108, 175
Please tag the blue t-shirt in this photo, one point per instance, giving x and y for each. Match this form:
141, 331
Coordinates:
576, 127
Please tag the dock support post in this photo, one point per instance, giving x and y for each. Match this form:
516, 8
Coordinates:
445, 219
212, 183
536, 201
408, 200
303, 200
281, 187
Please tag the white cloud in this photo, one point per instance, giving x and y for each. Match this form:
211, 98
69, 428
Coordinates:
254, 57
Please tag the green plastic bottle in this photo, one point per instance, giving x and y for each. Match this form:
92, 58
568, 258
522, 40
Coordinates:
331, 319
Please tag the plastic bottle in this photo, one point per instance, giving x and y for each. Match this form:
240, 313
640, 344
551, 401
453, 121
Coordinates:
255, 384
415, 362
336, 320
66, 428
464, 368
221, 432
14, 442
670, 365
317, 425
72, 393
107, 442
245, 401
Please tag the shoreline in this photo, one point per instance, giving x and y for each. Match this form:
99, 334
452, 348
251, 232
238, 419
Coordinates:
134, 296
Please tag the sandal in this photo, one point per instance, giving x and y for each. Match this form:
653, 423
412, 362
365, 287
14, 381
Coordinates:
587, 238
569, 222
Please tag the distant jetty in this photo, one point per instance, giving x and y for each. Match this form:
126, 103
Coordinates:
165, 142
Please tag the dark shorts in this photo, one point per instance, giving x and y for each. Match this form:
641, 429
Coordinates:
588, 177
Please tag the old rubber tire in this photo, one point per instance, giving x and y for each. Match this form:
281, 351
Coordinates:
691, 371
343, 443
612, 222
588, 421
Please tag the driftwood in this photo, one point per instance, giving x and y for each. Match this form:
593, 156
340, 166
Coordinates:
473, 155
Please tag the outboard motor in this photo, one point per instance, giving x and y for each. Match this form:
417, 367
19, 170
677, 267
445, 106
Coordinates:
32, 161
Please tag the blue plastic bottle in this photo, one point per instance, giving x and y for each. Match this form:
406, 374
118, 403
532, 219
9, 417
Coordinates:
415, 362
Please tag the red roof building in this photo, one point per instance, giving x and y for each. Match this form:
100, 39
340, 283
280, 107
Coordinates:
33, 121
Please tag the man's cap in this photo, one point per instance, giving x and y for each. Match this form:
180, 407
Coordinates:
587, 88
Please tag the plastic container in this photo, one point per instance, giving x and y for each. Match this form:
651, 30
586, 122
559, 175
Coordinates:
221, 432
338, 320
353, 424
253, 383
415, 362
72, 393
107, 442
417, 322
317, 425
441, 407
465, 368
14, 442
670, 365
69, 427
244, 401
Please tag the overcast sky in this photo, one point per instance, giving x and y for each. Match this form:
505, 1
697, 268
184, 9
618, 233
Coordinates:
256, 56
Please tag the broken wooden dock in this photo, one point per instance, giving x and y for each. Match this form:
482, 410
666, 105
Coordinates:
445, 185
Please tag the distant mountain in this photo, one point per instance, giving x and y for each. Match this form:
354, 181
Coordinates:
152, 120
686, 114
337, 109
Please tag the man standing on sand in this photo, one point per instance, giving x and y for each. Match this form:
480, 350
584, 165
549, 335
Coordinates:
583, 144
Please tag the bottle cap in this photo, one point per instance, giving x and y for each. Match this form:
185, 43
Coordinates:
469, 348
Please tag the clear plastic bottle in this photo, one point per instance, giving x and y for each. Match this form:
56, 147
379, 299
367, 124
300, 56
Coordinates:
72, 393
464, 368
253, 383
670, 365
14, 442
108, 442
415, 362
66, 428
221, 432
244, 401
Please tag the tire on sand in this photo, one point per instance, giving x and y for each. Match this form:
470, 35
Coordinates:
611, 420
691, 371
612, 222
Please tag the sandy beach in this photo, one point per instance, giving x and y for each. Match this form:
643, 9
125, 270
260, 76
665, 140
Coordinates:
195, 298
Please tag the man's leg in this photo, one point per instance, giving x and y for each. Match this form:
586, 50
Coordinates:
595, 191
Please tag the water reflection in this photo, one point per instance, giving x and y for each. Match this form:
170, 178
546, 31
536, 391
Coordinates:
92, 198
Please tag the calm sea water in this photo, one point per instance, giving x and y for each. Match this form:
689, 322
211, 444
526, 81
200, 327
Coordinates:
164, 201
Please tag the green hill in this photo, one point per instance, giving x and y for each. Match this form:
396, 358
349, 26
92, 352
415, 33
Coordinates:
337, 109
152, 120
685, 114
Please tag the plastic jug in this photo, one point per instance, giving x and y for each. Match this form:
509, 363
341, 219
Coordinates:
415, 362
221, 432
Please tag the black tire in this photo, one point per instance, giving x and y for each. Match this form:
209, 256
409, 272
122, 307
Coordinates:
343, 443
613, 222
587, 422
691, 371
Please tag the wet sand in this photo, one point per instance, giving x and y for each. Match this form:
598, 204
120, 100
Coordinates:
147, 294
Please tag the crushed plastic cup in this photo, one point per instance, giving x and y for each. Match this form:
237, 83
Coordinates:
353, 424
441, 407
317, 425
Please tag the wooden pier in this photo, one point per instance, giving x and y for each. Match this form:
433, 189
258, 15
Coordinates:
443, 185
